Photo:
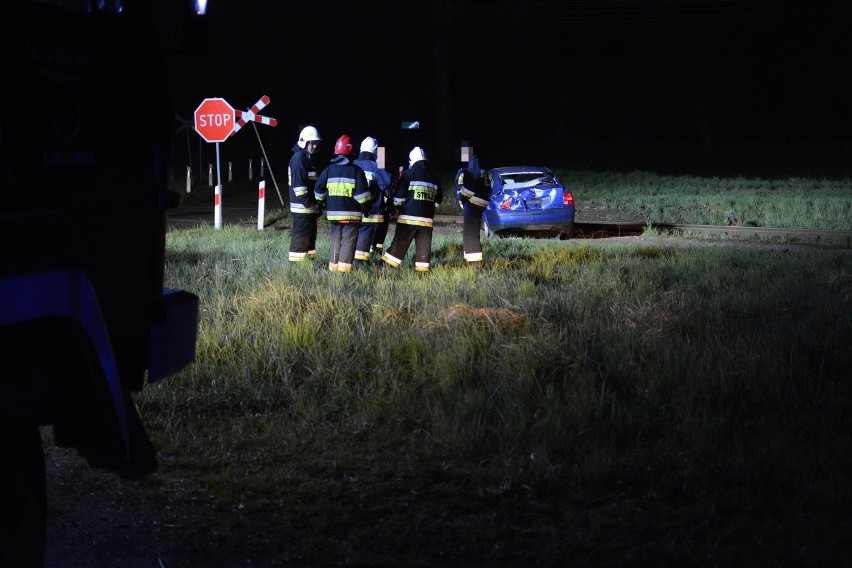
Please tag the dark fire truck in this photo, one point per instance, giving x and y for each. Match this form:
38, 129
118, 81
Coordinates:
85, 125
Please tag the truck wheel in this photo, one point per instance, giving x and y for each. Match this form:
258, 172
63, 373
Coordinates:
23, 492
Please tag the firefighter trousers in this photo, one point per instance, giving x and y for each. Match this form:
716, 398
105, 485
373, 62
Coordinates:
303, 237
402, 237
344, 236
366, 234
470, 235
381, 233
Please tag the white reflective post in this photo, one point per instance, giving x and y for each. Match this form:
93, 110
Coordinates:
250, 169
230, 172
210, 176
188, 179
217, 208
261, 204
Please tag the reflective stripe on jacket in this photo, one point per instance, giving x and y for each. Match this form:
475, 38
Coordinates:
471, 186
302, 176
416, 194
379, 181
343, 187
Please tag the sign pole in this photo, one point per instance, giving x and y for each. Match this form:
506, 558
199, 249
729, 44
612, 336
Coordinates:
217, 203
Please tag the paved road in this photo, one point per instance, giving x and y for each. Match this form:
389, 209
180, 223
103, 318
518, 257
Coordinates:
188, 216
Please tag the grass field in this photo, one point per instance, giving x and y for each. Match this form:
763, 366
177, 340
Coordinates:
563, 404
790, 202
810, 203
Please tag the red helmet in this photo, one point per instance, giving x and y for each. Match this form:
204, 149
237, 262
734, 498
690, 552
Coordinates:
343, 145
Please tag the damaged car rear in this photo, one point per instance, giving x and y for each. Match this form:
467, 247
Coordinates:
527, 199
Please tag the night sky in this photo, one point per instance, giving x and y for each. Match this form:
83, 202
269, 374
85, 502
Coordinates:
757, 87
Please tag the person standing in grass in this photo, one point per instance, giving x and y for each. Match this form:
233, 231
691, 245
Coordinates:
382, 228
342, 187
473, 193
380, 183
417, 193
302, 176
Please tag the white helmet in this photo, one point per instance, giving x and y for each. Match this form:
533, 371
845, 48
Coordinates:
369, 144
308, 134
416, 155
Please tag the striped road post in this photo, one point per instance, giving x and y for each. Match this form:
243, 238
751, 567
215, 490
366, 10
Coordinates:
261, 204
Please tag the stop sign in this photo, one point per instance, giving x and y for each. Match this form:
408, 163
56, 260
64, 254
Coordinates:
214, 119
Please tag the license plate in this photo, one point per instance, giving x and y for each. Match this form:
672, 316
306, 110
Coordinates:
538, 202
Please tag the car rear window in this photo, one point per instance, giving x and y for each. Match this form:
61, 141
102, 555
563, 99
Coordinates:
525, 179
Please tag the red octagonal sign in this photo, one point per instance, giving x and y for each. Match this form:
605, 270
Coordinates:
214, 119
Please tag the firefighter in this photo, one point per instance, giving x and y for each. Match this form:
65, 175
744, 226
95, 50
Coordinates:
343, 190
380, 183
417, 193
302, 176
473, 194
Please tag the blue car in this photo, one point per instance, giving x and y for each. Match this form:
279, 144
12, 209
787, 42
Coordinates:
526, 199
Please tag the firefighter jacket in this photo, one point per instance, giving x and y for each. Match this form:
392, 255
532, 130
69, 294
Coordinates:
302, 176
380, 186
343, 188
416, 194
472, 187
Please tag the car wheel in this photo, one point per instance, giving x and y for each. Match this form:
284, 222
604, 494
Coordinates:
566, 233
23, 491
486, 229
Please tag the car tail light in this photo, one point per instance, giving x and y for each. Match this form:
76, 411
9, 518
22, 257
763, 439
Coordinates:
506, 204
568, 199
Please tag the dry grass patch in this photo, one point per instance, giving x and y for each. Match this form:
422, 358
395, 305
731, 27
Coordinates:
499, 318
